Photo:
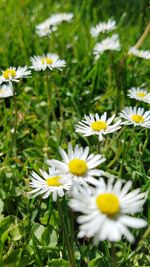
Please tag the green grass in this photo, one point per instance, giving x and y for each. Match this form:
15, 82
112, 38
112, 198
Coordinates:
30, 229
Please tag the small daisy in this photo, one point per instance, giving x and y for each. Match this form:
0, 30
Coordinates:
111, 43
49, 183
140, 94
50, 61
6, 90
103, 27
78, 165
96, 125
139, 53
45, 29
105, 210
13, 74
136, 116
59, 18
49, 25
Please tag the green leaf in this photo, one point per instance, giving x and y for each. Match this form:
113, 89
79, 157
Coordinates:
99, 262
1, 205
58, 263
6, 225
16, 258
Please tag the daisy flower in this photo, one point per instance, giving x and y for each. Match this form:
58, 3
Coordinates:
96, 125
110, 43
78, 165
103, 27
49, 25
106, 210
139, 53
49, 184
140, 94
136, 116
13, 74
45, 29
50, 61
6, 90
59, 18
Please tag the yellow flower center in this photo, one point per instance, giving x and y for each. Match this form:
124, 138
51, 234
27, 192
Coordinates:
9, 72
98, 125
53, 181
78, 167
141, 94
47, 60
137, 118
108, 204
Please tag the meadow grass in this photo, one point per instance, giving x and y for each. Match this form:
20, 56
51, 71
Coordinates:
31, 230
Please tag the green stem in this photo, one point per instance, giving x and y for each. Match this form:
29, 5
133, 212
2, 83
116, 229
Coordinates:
70, 251
15, 122
125, 149
113, 256
116, 157
50, 103
117, 136
146, 140
118, 93
98, 146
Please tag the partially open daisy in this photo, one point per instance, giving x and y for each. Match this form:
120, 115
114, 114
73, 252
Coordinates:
50, 61
78, 165
6, 90
14, 74
49, 25
97, 125
105, 210
110, 43
45, 29
136, 116
139, 53
139, 94
103, 27
58, 18
49, 184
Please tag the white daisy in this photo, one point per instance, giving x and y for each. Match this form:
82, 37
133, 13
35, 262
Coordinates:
140, 94
14, 74
45, 29
59, 18
96, 125
50, 61
110, 43
49, 183
78, 165
139, 53
6, 90
136, 116
105, 210
103, 27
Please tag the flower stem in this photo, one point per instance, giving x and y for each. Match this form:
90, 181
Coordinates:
70, 251
50, 103
126, 149
113, 256
15, 122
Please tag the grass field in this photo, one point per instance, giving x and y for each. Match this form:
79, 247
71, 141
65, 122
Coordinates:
42, 115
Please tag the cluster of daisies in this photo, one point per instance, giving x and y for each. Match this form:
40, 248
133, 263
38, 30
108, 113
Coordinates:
104, 205
112, 43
